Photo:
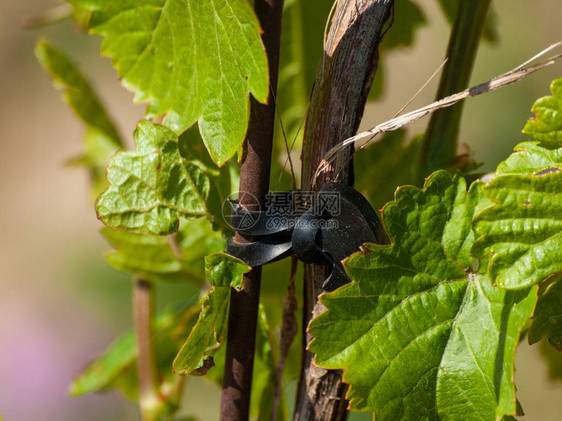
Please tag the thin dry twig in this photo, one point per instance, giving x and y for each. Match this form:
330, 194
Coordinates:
507, 78
289, 330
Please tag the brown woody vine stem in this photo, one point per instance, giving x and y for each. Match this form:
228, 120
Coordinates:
254, 179
337, 103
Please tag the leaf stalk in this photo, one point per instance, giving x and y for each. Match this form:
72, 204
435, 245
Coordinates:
143, 307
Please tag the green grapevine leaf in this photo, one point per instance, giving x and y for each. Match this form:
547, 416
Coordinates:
522, 231
154, 258
547, 124
419, 334
153, 186
117, 368
529, 158
77, 91
191, 60
223, 272
547, 320
101, 140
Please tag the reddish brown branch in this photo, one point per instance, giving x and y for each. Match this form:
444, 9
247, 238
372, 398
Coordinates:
254, 179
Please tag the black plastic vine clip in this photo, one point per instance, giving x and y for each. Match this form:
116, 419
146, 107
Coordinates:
333, 227
269, 230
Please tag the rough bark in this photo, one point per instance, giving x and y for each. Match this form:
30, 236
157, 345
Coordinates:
337, 104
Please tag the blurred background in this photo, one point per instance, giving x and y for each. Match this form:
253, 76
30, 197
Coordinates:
61, 304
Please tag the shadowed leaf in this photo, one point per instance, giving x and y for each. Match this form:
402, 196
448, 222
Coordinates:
553, 359
155, 259
547, 320
223, 272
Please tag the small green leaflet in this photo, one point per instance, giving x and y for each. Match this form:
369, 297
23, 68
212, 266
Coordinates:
156, 260
192, 60
117, 367
152, 187
223, 272
522, 231
101, 140
547, 126
419, 334
77, 91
